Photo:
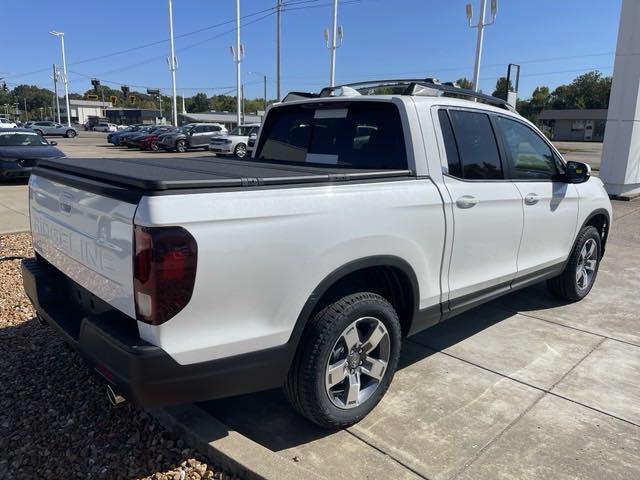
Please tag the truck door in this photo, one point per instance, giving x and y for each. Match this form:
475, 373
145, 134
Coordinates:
487, 209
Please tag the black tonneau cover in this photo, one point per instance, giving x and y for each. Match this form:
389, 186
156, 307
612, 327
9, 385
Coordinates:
162, 173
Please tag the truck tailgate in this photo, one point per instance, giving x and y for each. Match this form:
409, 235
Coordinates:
87, 236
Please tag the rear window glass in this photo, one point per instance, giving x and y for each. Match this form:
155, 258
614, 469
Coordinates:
366, 135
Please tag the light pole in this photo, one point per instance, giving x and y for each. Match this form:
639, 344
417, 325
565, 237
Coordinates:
237, 53
172, 65
278, 12
264, 78
480, 26
65, 79
56, 75
336, 41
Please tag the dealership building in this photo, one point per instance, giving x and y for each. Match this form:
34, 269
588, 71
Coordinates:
583, 125
81, 110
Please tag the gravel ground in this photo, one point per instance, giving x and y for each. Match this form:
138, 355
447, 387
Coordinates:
55, 420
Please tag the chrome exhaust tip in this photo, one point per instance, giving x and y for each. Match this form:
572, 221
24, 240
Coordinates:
115, 399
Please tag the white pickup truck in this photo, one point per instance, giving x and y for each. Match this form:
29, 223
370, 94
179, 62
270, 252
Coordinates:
361, 219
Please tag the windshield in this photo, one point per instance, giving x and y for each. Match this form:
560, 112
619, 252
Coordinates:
21, 139
242, 131
185, 129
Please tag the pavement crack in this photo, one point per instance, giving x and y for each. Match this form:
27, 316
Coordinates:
387, 454
542, 391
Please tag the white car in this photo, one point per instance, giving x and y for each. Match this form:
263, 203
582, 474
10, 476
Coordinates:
361, 220
105, 127
235, 143
6, 123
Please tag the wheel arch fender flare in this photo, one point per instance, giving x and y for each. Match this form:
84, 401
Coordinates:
342, 272
588, 220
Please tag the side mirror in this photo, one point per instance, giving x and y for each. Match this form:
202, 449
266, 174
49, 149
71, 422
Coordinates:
53, 143
577, 172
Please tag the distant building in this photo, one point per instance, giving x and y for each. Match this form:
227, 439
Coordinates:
228, 119
81, 110
575, 125
132, 116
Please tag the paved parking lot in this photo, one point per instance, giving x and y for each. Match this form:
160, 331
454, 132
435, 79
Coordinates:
525, 387
14, 212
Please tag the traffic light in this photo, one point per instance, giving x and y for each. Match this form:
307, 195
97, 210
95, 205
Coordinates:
132, 99
125, 90
113, 99
96, 83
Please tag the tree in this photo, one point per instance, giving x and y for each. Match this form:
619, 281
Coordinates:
198, 103
501, 88
464, 82
590, 90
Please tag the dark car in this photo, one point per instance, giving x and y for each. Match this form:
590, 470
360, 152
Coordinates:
127, 139
149, 141
20, 149
115, 137
193, 135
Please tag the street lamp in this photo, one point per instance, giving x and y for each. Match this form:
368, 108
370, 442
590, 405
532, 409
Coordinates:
65, 79
336, 41
480, 26
264, 77
237, 53
172, 65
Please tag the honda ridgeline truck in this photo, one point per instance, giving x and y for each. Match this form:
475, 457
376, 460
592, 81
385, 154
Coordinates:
361, 219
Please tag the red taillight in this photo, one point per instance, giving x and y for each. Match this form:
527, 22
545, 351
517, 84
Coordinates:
164, 272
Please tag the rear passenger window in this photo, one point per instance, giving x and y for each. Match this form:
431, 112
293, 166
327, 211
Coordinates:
364, 135
477, 147
453, 160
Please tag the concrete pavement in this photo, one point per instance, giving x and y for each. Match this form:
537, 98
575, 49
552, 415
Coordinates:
525, 387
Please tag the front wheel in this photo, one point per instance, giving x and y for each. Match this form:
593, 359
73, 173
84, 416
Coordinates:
70, 133
155, 147
579, 275
345, 361
181, 146
240, 151
39, 132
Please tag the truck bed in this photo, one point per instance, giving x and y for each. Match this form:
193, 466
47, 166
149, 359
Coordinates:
179, 173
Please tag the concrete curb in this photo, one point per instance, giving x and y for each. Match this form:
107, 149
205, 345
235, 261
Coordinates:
234, 452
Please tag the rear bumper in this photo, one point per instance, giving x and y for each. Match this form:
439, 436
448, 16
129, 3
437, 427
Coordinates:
142, 372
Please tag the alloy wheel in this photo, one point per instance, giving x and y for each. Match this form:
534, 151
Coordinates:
586, 266
357, 363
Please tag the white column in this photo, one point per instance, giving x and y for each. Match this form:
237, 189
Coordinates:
620, 168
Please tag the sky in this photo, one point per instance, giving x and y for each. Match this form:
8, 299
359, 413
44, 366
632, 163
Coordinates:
552, 40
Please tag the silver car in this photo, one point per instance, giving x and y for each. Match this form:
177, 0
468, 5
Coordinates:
235, 143
53, 128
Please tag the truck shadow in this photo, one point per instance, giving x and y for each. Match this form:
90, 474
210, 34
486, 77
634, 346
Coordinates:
269, 420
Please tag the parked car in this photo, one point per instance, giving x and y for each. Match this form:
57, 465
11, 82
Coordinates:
105, 127
6, 123
361, 220
129, 139
20, 149
53, 128
149, 140
235, 143
114, 137
193, 135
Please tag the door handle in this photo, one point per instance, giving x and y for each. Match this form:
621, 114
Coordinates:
466, 201
531, 199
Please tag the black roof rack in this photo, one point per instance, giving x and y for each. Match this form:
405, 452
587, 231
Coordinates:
425, 86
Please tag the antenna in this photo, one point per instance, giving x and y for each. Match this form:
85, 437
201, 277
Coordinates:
494, 8
469, 9
340, 35
326, 37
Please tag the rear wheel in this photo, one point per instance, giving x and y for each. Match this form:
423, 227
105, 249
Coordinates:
345, 361
39, 132
581, 270
155, 147
240, 151
70, 133
181, 146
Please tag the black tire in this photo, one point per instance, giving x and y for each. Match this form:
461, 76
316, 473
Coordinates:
181, 146
305, 384
39, 132
566, 286
155, 147
240, 151
70, 133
